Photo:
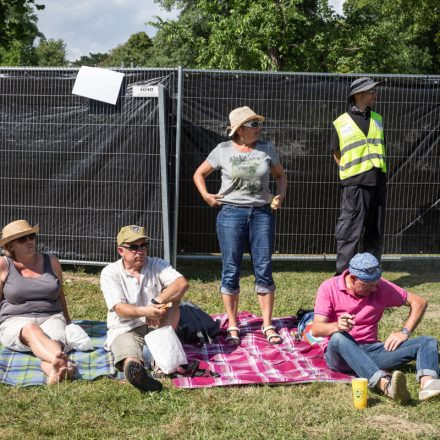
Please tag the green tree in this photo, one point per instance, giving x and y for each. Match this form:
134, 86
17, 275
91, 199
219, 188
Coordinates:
51, 53
396, 36
246, 34
18, 31
16, 20
92, 60
135, 51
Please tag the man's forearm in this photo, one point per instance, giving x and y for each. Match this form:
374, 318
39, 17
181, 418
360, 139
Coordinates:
130, 311
174, 292
416, 313
323, 329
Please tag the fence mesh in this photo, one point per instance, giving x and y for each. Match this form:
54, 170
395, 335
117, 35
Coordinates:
299, 109
82, 169
78, 167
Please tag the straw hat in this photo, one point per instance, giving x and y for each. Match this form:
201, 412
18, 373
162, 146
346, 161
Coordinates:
17, 229
240, 116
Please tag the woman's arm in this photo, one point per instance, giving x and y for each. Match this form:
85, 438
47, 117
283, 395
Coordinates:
202, 172
281, 178
56, 266
3, 275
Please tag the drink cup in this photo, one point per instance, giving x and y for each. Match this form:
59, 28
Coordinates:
360, 392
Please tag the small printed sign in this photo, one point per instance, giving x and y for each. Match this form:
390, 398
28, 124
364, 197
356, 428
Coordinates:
145, 91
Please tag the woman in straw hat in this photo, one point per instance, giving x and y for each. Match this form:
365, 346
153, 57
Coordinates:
33, 311
245, 217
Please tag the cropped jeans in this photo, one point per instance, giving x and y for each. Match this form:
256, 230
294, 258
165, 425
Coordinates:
344, 354
240, 226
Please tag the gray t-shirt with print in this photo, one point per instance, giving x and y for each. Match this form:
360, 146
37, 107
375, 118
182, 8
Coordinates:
245, 176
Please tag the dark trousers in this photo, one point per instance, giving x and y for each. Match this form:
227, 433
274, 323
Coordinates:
362, 217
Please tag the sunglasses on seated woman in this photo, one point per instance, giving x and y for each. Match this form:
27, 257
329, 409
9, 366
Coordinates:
252, 124
26, 238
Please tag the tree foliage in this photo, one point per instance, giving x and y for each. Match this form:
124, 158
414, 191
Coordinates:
18, 31
246, 34
136, 52
51, 53
92, 60
17, 23
396, 36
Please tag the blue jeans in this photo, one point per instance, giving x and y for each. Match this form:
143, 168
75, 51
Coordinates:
236, 227
344, 354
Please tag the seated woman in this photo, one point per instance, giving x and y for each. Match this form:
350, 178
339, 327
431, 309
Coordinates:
33, 311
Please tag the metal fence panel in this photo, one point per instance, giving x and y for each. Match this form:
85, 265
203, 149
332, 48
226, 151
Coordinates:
82, 169
299, 110
78, 167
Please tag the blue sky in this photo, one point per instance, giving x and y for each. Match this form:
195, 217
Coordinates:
99, 25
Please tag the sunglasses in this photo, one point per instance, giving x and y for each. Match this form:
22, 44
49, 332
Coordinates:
135, 247
26, 238
252, 124
372, 91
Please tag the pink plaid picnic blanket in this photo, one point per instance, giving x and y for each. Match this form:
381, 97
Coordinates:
257, 362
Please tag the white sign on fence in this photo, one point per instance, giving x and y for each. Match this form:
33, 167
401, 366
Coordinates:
145, 91
100, 84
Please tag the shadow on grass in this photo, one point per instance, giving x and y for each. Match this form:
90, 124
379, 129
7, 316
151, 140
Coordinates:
418, 272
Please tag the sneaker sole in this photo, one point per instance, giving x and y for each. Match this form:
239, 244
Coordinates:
398, 387
137, 376
428, 395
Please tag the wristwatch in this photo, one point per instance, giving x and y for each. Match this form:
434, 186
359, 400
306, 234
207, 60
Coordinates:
405, 331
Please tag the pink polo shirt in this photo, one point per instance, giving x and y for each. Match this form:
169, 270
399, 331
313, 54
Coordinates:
333, 299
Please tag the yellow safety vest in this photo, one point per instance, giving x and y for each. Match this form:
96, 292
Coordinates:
360, 153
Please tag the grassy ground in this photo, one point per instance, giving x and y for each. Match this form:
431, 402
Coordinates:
107, 409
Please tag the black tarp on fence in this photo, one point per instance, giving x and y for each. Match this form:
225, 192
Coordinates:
82, 169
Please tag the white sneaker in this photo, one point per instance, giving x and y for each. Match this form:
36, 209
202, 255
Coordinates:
430, 390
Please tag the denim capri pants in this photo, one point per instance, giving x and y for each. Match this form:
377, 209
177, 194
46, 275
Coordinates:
236, 227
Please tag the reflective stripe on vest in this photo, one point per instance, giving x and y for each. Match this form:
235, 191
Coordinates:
360, 153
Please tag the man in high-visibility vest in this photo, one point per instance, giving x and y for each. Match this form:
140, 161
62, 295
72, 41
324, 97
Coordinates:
358, 147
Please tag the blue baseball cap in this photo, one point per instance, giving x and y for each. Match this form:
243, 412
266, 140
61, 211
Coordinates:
366, 267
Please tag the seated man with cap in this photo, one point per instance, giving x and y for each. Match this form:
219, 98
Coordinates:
348, 309
136, 288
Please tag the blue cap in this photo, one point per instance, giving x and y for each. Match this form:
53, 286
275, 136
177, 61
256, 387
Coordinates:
365, 266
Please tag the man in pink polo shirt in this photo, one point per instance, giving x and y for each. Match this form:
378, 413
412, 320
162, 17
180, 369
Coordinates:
348, 309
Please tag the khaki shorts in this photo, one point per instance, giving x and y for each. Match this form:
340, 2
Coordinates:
10, 330
129, 344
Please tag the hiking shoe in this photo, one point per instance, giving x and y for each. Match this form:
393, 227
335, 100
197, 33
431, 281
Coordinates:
396, 388
430, 390
138, 376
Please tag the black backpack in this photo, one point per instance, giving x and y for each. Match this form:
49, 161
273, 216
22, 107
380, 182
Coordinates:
195, 325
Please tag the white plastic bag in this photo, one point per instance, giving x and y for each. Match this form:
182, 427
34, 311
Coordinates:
77, 338
166, 349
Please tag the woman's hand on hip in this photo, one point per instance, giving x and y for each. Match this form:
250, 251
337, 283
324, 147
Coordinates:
212, 199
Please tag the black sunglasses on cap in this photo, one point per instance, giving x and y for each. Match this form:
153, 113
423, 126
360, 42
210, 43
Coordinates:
135, 247
26, 238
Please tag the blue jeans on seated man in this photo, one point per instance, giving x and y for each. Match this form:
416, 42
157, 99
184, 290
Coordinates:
372, 361
236, 227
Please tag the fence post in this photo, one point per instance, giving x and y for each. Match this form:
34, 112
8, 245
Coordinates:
177, 174
164, 173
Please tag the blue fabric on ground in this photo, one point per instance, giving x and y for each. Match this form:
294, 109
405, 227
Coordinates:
23, 369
